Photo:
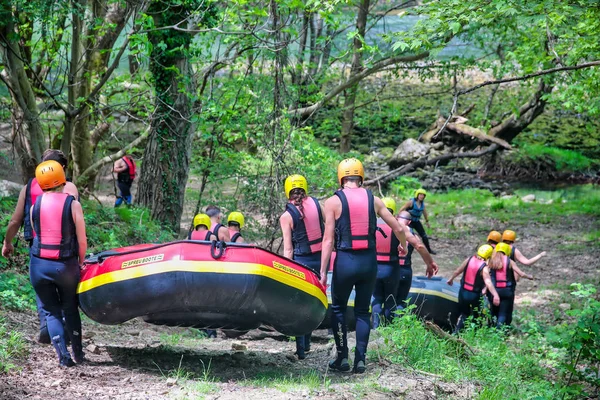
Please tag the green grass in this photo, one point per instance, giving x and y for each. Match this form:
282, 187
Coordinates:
12, 347
287, 382
530, 155
16, 292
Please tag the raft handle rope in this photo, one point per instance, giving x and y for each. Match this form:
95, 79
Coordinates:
217, 249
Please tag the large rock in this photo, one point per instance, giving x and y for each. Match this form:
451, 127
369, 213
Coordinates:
529, 198
408, 151
8, 188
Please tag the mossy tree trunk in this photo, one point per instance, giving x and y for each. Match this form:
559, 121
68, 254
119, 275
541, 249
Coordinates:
167, 154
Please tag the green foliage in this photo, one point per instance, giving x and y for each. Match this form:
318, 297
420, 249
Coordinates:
109, 227
532, 156
578, 341
12, 347
16, 292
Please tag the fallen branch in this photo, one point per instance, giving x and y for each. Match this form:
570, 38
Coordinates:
140, 140
478, 134
424, 161
446, 336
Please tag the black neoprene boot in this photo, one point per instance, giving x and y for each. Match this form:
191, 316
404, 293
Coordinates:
64, 357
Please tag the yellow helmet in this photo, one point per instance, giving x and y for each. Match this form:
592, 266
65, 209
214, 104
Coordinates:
295, 182
509, 235
420, 191
50, 174
350, 167
485, 251
238, 217
503, 248
202, 219
390, 203
495, 236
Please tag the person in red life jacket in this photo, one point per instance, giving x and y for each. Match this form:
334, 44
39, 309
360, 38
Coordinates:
235, 223
219, 230
509, 237
125, 169
201, 232
27, 197
494, 238
475, 276
503, 272
405, 262
389, 270
351, 220
302, 228
57, 254
416, 208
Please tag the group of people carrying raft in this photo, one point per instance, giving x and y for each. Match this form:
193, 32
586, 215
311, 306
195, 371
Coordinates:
373, 252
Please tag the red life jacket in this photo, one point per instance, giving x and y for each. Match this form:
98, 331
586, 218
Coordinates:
53, 224
355, 228
234, 235
31, 194
472, 279
386, 243
307, 228
214, 228
200, 235
130, 166
504, 277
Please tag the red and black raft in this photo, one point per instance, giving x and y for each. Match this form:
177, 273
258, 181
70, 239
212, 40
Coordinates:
203, 285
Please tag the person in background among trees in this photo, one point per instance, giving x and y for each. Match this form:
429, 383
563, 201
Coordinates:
302, 227
235, 223
20, 216
351, 221
218, 229
503, 272
475, 277
57, 254
125, 169
416, 208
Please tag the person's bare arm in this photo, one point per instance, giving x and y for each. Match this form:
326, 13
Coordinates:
119, 166
240, 239
519, 272
328, 235
77, 213
426, 216
224, 234
432, 268
14, 224
458, 271
285, 222
213, 237
490, 285
406, 206
392, 222
527, 261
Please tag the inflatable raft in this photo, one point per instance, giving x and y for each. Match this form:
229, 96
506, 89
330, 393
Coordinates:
434, 301
203, 285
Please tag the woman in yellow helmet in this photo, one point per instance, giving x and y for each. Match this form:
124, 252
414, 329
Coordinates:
509, 238
57, 254
503, 272
351, 220
416, 208
302, 228
475, 277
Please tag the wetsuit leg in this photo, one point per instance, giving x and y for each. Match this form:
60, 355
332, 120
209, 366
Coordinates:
418, 226
55, 282
388, 276
505, 310
378, 296
44, 336
404, 284
312, 262
468, 303
356, 269
125, 189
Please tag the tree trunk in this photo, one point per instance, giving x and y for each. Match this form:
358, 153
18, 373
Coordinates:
350, 98
167, 155
28, 139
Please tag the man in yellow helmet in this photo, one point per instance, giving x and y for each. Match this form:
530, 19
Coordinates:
416, 208
235, 223
351, 221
